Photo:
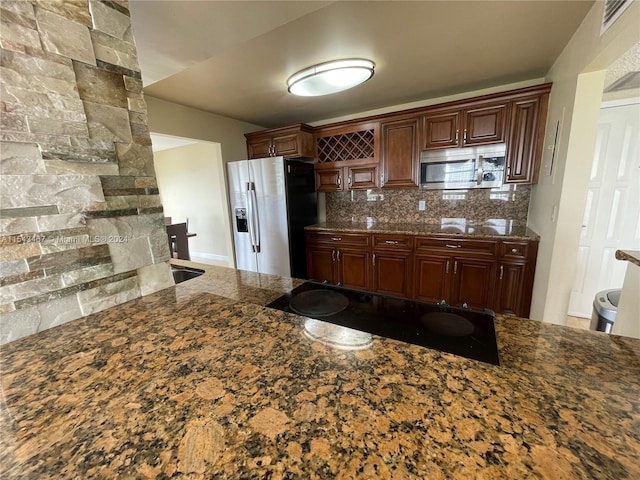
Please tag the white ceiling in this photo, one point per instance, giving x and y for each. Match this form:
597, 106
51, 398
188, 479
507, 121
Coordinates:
233, 58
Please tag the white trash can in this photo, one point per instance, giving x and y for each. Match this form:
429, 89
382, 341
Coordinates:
605, 307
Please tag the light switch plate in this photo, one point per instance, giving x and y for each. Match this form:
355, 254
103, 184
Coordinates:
421, 205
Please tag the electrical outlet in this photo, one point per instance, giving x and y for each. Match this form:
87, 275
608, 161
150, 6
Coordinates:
421, 205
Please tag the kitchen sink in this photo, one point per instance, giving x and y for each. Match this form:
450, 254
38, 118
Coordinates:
182, 274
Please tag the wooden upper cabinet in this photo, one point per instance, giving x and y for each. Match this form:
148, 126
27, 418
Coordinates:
465, 126
290, 142
524, 147
485, 125
259, 147
399, 153
441, 130
347, 157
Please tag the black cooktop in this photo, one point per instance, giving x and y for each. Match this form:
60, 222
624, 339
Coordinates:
464, 332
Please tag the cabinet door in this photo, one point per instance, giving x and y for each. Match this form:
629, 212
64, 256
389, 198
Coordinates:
259, 147
353, 268
485, 125
400, 154
391, 273
362, 177
523, 151
511, 284
329, 180
440, 130
473, 281
431, 277
286, 145
320, 263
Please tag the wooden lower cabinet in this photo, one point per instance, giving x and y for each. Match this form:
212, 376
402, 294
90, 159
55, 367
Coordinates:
392, 273
330, 260
472, 283
456, 280
510, 298
495, 274
320, 263
353, 268
431, 281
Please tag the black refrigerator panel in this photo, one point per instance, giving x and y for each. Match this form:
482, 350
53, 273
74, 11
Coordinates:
302, 210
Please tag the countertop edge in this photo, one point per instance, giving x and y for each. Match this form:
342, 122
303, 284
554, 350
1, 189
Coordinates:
529, 234
632, 256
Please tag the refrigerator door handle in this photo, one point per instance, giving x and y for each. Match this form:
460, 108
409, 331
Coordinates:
254, 231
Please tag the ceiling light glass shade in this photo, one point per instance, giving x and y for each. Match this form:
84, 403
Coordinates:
330, 77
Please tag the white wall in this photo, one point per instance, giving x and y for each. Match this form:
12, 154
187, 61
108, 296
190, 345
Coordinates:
191, 181
557, 201
172, 119
169, 118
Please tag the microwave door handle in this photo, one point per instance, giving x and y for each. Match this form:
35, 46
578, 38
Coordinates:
480, 171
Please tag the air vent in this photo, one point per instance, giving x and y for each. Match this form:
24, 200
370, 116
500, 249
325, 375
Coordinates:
627, 82
612, 11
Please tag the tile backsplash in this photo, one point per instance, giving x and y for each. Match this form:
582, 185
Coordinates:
401, 205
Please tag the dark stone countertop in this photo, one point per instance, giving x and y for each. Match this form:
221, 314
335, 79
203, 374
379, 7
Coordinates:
498, 229
632, 256
201, 381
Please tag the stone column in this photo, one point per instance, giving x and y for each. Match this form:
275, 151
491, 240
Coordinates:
81, 223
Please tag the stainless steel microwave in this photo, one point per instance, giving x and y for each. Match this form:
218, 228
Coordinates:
463, 168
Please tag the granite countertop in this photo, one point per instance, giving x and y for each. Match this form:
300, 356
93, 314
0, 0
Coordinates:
494, 229
201, 381
632, 256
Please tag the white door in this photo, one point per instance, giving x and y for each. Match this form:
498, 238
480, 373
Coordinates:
612, 211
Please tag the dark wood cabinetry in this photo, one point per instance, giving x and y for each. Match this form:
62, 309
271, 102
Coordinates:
392, 264
465, 127
289, 142
462, 271
338, 258
526, 137
459, 271
347, 158
399, 153
384, 150
516, 269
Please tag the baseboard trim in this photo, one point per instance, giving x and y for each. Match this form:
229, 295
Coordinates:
211, 256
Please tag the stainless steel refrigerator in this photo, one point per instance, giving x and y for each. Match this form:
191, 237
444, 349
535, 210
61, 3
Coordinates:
272, 200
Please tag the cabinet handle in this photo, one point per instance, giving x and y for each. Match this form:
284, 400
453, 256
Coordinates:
374, 259
457, 136
464, 139
338, 255
501, 271
336, 239
455, 267
453, 246
382, 179
391, 242
514, 250
339, 181
447, 269
333, 255
508, 172
349, 180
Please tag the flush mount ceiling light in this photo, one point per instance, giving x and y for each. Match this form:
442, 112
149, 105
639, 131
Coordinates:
330, 77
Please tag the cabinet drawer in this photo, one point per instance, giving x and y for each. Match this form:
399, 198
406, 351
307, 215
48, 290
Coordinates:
392, 242
518, 250
456, 245
339, 238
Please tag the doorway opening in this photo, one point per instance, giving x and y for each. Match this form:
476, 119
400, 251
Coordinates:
192, 183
